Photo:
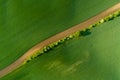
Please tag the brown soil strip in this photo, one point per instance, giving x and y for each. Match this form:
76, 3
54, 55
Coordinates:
57, 37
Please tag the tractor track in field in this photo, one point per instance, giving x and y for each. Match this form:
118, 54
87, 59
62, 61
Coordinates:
57, 37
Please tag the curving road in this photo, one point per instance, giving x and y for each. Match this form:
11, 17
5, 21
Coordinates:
57, 37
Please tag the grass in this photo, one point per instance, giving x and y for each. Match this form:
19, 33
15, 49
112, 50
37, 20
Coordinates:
93, 57
26, 23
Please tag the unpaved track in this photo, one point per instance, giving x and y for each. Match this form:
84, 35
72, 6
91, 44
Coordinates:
57, 37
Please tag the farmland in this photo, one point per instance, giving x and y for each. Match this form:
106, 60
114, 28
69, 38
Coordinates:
92, 57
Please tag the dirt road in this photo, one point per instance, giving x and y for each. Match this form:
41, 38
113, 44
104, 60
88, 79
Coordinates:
57, 37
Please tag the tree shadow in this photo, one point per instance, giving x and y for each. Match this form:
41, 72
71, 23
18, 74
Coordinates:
85, 33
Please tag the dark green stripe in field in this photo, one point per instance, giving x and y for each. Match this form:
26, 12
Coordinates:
92, 57
24, 23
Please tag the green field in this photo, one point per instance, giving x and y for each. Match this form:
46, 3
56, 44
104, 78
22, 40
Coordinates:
25, 23
93, 57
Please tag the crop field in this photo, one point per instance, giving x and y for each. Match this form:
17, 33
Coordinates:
25, 23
